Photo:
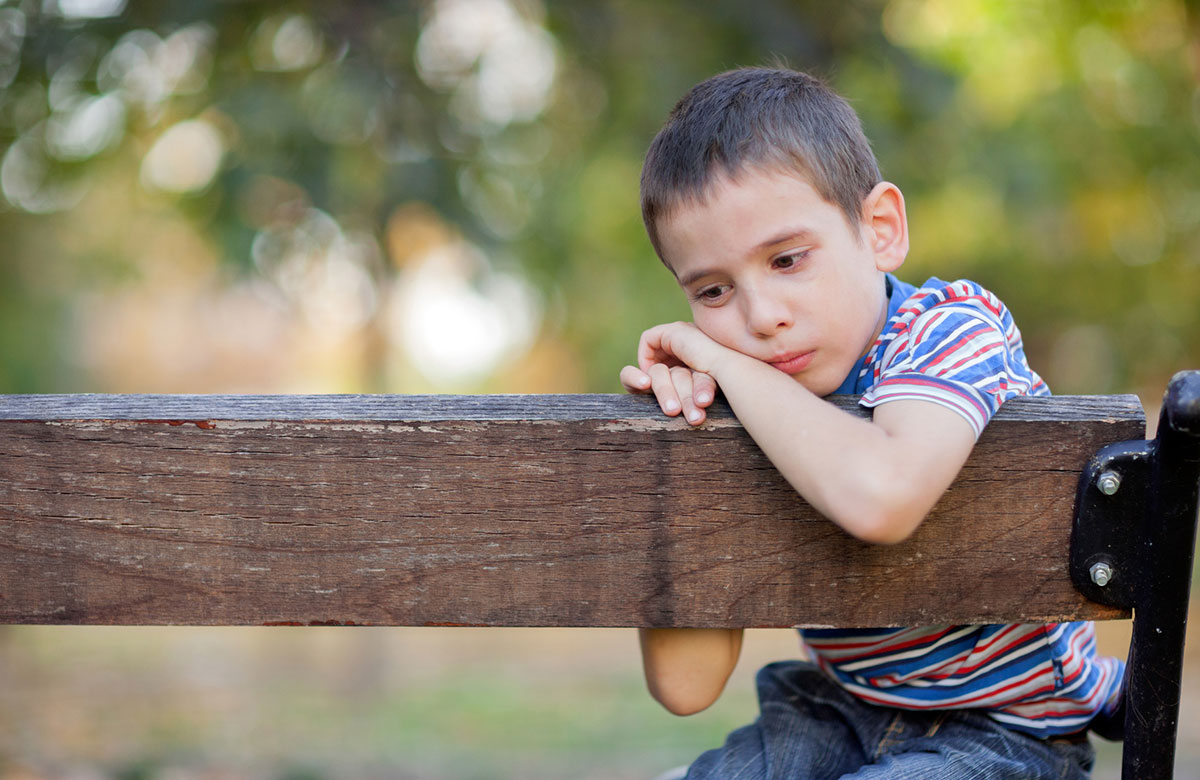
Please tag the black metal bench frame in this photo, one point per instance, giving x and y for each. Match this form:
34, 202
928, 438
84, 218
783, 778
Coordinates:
1132, 546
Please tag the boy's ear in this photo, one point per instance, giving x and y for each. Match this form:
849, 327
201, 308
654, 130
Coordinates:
885, 226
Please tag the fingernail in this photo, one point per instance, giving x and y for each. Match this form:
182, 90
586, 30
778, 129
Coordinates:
703, 398
671, 406
694, 416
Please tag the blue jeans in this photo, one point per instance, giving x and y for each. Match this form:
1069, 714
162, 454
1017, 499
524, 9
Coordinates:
811, 729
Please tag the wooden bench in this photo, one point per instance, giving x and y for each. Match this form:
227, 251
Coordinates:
583, 510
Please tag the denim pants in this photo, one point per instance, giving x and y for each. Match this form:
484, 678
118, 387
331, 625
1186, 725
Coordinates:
810, 728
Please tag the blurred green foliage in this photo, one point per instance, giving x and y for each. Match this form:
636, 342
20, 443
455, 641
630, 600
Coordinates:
1047, 149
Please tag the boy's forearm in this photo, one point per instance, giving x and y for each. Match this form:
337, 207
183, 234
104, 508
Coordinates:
687, 668
854, 471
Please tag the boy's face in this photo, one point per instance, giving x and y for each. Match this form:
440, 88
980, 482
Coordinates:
774, 271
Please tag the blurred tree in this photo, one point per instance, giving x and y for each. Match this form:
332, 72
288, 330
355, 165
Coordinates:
443, 195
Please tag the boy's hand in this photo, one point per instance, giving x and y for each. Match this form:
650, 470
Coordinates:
673, 363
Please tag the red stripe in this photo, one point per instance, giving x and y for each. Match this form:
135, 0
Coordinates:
1075, 654
876, 644
1087, 707
998, 347
962, 703
937, 317
933, 360
1017, 683
915, 379
992, 654
971, 415
990, 302
972, 336
1035, 636
956, 661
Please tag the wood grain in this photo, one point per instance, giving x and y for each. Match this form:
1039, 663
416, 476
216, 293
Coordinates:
580, 510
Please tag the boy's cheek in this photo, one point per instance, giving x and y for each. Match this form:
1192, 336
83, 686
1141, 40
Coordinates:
726, 343
704, 326
713, 329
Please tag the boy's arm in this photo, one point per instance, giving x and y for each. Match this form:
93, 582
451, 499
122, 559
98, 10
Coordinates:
687, 668
876, 478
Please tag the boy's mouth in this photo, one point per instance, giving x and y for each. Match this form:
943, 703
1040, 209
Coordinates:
793, 363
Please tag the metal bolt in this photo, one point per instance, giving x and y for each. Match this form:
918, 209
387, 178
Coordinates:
1109, 482
1102, 573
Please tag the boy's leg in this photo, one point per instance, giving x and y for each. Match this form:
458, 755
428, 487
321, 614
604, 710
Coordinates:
961, 745
807, 728
810, 729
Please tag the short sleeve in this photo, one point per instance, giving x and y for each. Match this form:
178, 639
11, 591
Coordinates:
957, 348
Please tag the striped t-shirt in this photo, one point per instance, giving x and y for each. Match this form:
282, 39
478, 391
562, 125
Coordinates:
955, 344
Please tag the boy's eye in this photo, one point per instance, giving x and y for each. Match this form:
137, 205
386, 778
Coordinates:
711, 293
788, 261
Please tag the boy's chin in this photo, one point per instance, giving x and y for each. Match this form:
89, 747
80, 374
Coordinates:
818, 386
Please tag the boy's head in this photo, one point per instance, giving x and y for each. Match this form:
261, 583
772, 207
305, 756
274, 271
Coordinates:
763, 198
764, 118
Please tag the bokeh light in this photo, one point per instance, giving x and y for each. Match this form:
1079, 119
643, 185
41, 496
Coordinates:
86, 9
457, 317
184, 158
286, 43
499, 64
85, 126
26, 178
325, 273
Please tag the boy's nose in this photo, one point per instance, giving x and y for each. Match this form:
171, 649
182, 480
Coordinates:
767, 316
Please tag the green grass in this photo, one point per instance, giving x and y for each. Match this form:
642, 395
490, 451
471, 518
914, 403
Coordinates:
143, 704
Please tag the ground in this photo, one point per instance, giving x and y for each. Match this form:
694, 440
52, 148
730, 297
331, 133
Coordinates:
404, 704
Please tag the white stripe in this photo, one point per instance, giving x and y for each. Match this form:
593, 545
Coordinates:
1063, 724
1003, 636
882, 660
907, 393
991, 344
984, 670
1094, 700
870, 642
964, 358
989, 696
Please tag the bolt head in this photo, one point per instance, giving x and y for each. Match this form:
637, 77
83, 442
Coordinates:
1109, 482
1102, 573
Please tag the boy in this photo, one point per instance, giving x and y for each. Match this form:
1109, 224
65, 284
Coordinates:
762, 196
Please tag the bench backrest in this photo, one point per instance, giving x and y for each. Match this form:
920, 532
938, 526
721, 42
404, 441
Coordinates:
578, 510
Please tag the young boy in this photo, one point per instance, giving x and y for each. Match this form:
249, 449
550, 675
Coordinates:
762, 196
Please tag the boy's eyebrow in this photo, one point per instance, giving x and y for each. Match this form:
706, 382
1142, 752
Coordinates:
787, 234
694, 276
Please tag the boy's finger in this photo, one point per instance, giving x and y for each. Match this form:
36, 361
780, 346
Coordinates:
682, 378
704, 389
664, 389
650, 348
635, 380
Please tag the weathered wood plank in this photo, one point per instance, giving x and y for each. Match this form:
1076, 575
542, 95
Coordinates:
504, 510
410, 408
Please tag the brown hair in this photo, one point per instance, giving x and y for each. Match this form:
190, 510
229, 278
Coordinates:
771, 118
